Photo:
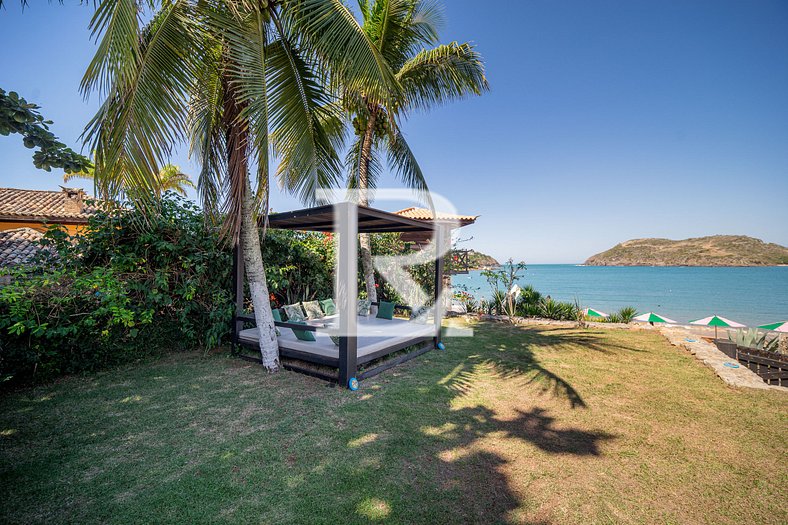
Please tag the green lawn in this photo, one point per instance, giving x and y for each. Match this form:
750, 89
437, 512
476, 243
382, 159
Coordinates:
517, 424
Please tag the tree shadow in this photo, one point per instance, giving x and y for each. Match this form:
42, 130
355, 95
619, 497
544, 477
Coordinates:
470, 465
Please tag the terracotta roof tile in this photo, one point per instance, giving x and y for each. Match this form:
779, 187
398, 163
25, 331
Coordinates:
424, 214
18, 246
66, 205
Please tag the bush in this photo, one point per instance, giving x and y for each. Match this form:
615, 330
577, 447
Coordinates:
559, 311
625, 315
130, 285
299, 266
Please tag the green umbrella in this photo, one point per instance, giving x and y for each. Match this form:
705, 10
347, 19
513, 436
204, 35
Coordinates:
651, 317
717, 321
777, 327
589, 312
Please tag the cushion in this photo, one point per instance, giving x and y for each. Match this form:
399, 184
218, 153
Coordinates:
277, 317
363, 307
328, 306
385, 310
312, 309
303, 335
277, 314
335, 338
294, 312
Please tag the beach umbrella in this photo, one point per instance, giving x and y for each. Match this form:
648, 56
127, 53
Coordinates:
589, 312
651, 317
716, 321
776, 327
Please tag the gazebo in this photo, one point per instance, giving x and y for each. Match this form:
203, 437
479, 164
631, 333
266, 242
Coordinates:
361, 341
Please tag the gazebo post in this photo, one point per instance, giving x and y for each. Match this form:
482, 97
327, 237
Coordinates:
238, 292
346, 287
440, 239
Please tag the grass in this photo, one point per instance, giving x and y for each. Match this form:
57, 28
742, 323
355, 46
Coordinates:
517, 424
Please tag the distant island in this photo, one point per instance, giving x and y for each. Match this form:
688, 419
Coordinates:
717, 250
481, 261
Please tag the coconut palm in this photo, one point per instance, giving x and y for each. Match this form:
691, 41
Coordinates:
169, 178
238, 80
403, 32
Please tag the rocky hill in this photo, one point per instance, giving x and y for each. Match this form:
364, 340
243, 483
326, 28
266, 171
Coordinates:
718, 250
481, 261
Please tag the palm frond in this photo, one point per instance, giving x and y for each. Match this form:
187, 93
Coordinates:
207, 137
374, 170
406, 167
143, 116
328, 29
306, 125
445, 73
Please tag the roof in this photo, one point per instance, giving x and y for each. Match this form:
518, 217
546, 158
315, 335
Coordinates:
66, 205
370, 220
18, 246
423, 214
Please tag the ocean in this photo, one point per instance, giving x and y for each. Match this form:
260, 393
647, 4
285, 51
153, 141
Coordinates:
752, 296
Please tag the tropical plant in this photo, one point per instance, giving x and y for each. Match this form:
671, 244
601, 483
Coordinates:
529, 295
169, 178
624, 315
501, 282
17, 115
238, 80
402, 31
560, 311
128, 285
486, 307
752, 338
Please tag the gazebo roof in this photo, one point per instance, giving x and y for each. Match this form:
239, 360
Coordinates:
370, 220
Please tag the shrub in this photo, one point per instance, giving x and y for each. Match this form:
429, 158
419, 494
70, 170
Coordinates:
559, 311
625, 315
131, 284
299, 266
752, 338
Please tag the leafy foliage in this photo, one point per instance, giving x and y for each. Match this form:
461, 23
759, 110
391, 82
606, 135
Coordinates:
625, 315
129, 285
501, 281
17, 115
752, 338
299, 266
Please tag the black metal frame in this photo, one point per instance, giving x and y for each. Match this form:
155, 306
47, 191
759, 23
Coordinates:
370, 220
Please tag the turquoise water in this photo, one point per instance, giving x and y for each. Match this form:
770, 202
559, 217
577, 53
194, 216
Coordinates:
752, 296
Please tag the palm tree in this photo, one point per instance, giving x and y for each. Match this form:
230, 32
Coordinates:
238, 80
169, 178
401, 30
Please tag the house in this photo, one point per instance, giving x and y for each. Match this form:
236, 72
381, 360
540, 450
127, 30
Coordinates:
26, 214
38, 209
18, 246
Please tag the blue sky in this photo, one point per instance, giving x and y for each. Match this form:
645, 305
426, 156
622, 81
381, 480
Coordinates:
606, 120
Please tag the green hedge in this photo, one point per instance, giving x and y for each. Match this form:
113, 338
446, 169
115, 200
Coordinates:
130, 285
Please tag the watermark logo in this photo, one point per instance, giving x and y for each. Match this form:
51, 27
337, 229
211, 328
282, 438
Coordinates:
350, 218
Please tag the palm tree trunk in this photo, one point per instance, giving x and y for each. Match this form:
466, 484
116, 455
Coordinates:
238, 169
364, 241
258, 287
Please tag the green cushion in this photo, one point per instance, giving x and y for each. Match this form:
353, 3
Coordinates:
385, 310
294, 312
328, 306
335, 338
363, 307
303, 335
312, 309
277, 314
